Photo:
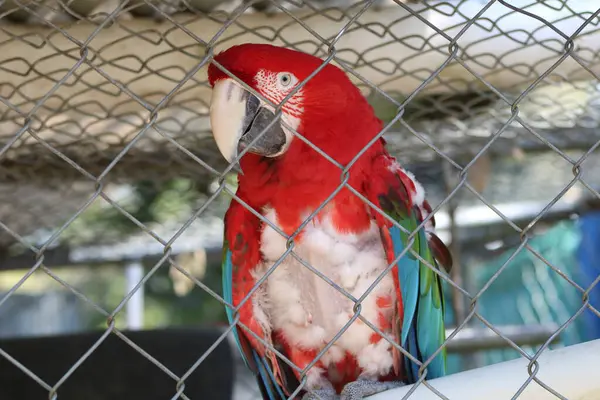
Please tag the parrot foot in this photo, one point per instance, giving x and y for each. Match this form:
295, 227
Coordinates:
363, 387
327, 392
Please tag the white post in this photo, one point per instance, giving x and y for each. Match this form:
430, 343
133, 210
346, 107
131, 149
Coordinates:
134, 311
571, 371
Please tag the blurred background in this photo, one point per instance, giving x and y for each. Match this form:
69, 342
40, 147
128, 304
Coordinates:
110, 197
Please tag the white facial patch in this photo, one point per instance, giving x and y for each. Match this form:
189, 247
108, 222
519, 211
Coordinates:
270, 86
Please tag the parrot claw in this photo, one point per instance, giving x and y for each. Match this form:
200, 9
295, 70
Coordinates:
362, 388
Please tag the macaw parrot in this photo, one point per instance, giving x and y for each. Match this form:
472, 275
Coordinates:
283, 179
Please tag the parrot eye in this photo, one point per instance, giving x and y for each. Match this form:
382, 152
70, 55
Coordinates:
286, 79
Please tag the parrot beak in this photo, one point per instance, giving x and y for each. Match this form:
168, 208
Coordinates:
237, 118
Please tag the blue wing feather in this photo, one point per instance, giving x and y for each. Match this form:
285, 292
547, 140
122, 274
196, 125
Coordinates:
411, 346
409, 278
430, 314
423, 324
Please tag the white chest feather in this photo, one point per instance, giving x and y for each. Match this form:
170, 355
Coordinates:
308, 311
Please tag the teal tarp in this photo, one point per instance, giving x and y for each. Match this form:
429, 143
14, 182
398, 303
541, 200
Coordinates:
528, 291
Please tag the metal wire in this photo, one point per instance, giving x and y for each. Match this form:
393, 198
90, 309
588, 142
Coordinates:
79, 113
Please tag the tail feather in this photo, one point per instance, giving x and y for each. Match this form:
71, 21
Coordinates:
267, 383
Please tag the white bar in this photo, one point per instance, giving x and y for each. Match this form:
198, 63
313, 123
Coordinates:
572, 371
472, 339
134, 309
474, 216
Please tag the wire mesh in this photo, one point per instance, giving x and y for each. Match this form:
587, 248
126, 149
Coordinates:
96, 96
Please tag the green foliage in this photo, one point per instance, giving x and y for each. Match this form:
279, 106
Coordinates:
384, 109
196, 307
435, 106
171, 203
146, 201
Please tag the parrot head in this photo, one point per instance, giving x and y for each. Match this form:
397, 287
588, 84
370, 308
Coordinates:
327, 110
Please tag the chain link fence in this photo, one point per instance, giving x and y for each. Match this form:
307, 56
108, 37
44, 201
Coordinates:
99, 97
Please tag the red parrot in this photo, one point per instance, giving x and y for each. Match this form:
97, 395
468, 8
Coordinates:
284, 180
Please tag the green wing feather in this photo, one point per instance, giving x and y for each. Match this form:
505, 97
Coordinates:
422, 330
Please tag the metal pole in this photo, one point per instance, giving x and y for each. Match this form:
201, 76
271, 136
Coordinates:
470, 340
